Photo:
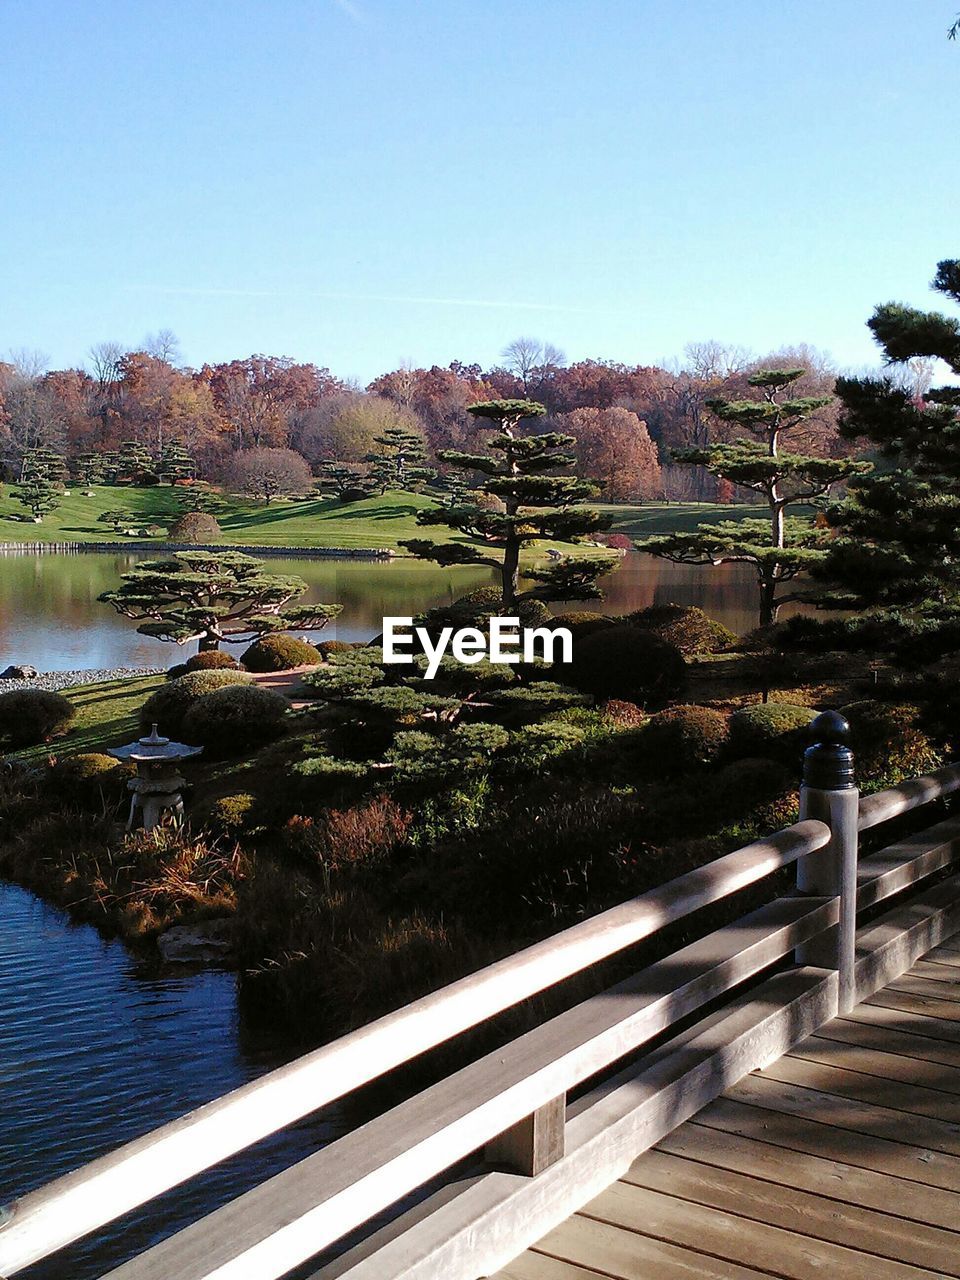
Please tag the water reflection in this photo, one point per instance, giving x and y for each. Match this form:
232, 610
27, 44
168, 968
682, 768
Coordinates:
50, 617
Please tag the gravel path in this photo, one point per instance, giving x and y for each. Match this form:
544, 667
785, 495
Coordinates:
67, 679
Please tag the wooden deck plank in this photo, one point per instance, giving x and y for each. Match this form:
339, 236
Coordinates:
888, 1039
735, 1240
537, 1266
916, 1100
916, 1073
935, 970
855, 1132
946, 953
820, 1175
806, 1213
911, 1002
628, 1255
919, 1024
912, 985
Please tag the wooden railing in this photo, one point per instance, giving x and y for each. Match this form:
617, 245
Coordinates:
512, 1104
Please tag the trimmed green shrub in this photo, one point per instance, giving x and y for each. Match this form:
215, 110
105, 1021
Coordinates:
212, 660
779, 729
30, 716
887, 741
230, 815
235, 719
684, 738
280, 652
326, 647
175, 672
743, 786
581, 622
626, 663
168, 706
686, 627
89, 778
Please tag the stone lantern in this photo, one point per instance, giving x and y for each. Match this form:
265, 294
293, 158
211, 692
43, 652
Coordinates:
156, 788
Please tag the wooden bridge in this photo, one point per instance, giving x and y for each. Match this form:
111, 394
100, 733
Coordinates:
780, 1097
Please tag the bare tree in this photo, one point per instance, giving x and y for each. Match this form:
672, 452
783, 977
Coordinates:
28, 363
105, 358
162, 345
530, 359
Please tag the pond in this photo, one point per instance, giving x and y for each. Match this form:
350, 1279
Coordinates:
50, 616
97, 1048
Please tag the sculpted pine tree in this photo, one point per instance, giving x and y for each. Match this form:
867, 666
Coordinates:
779, 548
898, 542
42, 474
399, 462
175, 463
535, 505
214, 597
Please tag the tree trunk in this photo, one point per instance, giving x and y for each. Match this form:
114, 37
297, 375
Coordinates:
510, 572
208, 643
768, 601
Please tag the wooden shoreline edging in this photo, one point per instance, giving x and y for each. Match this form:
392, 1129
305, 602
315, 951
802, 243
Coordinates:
770, 979
296, 553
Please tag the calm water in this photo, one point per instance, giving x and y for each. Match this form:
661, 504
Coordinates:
50, 617
95, 1050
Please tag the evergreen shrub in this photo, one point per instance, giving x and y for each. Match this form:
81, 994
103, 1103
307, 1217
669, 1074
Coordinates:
626, 663
168, 705
30, 716
686, 627
280, 652
236, 718
778, 729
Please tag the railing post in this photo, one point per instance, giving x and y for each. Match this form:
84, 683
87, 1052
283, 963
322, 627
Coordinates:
829, 794
535, 1143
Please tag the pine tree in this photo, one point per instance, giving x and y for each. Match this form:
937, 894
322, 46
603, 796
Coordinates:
399, 461
780, 548
200, 497
130, 464
89, 469
42, 474
898, 532
347, 483
175, 463
214, 597
535, 505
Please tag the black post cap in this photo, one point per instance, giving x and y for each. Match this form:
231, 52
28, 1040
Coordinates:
828, 764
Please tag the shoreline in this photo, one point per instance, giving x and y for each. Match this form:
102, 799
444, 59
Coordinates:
294, 553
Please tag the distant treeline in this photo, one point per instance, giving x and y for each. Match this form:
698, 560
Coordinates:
626, 418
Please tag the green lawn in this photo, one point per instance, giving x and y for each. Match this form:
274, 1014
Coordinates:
107, 716
374, 522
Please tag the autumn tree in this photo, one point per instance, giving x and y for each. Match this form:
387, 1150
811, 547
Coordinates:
259, 396
269, 473
535, 504
778, 551
213, 598
344, 428
614, 446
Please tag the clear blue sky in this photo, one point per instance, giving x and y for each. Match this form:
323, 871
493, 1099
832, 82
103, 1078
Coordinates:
365, 182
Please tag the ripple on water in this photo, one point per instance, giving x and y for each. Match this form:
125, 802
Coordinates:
95, 1051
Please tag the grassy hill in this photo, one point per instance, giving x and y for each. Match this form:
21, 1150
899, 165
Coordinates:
374, 522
